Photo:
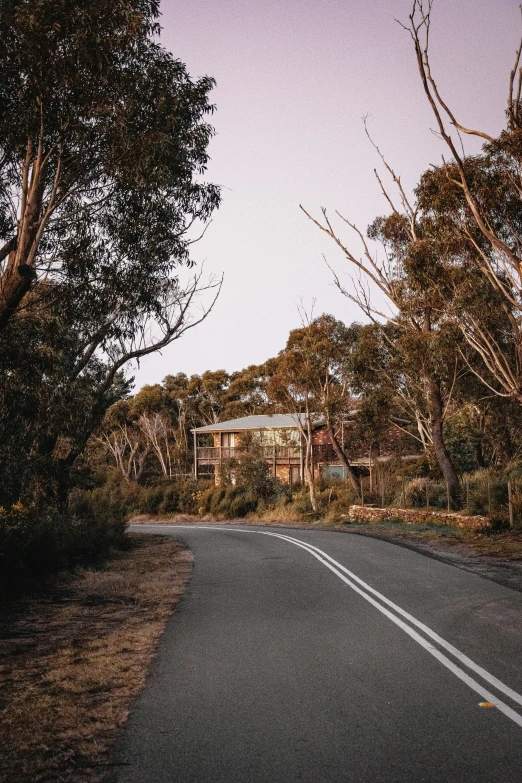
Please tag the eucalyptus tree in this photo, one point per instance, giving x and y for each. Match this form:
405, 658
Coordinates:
416, 331
103, 141
480, 198
101, 133
310, 378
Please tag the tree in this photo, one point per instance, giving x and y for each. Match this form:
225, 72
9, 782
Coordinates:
311, 377
479, 197
125, 441
289, 387
413, 280
103, 138
100, 128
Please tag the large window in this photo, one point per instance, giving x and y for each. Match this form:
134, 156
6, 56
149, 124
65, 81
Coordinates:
228, 440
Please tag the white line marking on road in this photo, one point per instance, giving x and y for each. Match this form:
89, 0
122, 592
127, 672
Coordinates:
491, 679
337, 569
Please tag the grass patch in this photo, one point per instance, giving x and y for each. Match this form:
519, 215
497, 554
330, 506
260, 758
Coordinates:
72, 661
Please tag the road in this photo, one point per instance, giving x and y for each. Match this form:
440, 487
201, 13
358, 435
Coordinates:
315, 657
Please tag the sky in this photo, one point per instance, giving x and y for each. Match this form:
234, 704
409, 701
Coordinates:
294, 80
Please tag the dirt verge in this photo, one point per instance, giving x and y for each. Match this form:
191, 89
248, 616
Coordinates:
72, 660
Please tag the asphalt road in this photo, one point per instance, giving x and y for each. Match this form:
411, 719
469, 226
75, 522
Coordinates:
357, 661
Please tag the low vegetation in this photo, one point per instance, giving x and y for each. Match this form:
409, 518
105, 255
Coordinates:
73, 658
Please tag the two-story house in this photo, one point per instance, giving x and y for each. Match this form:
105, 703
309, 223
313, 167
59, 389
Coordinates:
275, 438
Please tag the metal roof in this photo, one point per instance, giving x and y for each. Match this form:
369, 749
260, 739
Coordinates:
275, 421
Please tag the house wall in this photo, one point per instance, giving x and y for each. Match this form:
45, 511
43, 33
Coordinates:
217, 438
283, 473
320, 437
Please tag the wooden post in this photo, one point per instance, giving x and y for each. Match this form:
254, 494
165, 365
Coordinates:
510, 505
195, 455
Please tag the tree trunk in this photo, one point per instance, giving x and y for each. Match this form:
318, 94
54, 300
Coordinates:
342, 458
309, 468
443, 458
19, 274
16, 281
309, 471
481, 462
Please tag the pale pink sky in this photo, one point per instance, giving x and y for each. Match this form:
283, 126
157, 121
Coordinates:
294, 79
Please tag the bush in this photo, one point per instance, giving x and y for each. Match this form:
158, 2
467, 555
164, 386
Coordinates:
413, 494
36, 543
339, 503
161, 498
230, 502
487, 492
255, 475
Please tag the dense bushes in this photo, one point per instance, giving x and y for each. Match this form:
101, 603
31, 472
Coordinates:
36, 543
484, 493
95, 518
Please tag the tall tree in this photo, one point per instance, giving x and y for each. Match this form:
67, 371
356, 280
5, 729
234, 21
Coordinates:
100, 129
103, 138
310, 377
480, 198
412, 279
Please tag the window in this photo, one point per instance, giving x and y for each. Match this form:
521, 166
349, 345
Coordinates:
227, 440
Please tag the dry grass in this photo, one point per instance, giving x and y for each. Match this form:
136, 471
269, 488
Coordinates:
72, 662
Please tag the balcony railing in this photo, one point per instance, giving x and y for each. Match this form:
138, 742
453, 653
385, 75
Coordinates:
215, 453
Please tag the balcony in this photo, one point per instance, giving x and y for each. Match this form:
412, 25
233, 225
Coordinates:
211, 454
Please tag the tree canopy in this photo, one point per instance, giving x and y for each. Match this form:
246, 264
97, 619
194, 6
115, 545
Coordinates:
103, 144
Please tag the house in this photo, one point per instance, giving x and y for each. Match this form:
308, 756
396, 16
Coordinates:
277, 439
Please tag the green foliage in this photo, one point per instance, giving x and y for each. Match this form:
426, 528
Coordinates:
103, 142
229, 502
255, 475
413, 494
36, 544
487, 492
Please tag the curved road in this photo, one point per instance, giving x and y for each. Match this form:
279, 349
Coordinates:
315, 657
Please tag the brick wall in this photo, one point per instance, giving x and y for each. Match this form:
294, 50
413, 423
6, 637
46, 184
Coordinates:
283, 473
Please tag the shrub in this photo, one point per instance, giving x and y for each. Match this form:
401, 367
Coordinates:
413, 494
487, 492
255, 475
38, 542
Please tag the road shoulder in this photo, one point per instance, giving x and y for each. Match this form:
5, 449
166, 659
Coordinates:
73, 660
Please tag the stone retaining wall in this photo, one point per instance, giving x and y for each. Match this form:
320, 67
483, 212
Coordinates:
414, 516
